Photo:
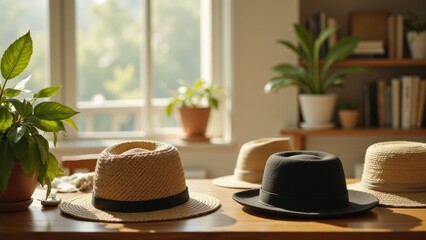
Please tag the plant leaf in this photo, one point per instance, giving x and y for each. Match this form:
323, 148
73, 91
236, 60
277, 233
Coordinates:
305, 40
29, 162
6, 119
47, 92
16, 57
6, 164
16, 132
53, 111
70, 122
24, 109
280, 82
10, 92
43, 147
336, 78
292, 47
21, 85
20, 149
47, 125
343, 48
53, 170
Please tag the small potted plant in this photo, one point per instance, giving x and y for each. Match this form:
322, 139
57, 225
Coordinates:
25, 158
416, 35
348, 114
194, 103
313, 78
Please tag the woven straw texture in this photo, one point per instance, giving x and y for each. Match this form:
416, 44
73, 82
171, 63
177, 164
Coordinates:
198, 204
251, 162
135, 171
139, 171
392, 167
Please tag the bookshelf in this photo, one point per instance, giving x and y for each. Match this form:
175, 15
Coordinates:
383, 67
299, 135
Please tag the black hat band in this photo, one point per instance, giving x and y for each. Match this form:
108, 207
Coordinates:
140, 206
300, 203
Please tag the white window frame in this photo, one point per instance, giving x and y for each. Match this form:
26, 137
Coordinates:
215, 63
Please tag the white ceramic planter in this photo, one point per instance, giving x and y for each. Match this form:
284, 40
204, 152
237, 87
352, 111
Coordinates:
417, 44
317, 110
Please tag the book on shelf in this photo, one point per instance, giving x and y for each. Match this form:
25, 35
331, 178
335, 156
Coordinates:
397, 103
316, 24
395, 36
369, 25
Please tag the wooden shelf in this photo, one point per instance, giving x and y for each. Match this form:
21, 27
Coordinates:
299, 134
382, 62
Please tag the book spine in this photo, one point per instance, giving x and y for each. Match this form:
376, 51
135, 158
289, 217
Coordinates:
381, 102
396, 102
406, 101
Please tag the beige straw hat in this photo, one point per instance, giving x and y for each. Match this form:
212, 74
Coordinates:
139, 181
251, 162
395, 172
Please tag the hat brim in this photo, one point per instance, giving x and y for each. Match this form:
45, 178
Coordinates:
231, 182
359, 202
394, 199
81, 207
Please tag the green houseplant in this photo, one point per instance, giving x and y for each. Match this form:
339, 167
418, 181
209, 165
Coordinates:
194, 103
416, 35
312, 77
24, 122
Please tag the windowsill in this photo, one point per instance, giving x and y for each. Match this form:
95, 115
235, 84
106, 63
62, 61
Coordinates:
88, 144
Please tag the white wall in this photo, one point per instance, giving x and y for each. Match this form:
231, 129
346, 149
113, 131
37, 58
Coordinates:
257, 24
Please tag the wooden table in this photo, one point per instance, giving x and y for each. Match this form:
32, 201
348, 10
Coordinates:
231, 221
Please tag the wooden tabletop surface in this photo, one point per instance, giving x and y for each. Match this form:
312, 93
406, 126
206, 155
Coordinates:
231, 221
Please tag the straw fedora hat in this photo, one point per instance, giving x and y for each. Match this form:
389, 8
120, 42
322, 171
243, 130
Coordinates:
251, 162
305, 184
395, 172
139, 181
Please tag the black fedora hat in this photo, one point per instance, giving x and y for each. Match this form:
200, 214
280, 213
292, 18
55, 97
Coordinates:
307, 184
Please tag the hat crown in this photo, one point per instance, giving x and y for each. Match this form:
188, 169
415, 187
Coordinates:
253, 155
139, 171
395, 166
305, 180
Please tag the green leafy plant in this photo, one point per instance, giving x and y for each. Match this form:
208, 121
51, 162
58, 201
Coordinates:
348, 105
311, 76
23, 122
199, 94
413, 23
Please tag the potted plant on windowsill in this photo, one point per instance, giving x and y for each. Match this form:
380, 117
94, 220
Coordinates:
416, 35
313, 78
25, 158
194, 103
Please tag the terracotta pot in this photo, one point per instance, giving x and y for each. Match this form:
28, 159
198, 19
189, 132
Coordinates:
194, 122
348, 118
19, 190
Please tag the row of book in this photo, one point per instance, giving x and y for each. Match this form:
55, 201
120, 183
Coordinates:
380, 33
396, 103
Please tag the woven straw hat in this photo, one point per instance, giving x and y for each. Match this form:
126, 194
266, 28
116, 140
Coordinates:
139, 181
395, 172
251, 161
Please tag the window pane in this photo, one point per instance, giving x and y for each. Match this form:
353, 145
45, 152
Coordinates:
17, 18
175, 44
108, 63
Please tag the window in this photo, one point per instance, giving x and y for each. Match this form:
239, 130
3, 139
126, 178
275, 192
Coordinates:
119, 61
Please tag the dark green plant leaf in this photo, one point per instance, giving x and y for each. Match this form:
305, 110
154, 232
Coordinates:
24, 108
16, 57
47, 125
6, 119
6, 164
30, 161
53, 111
305, 40
47, 92
280, 82
16, 132
53, 170
292, 47
20, 149
43, 147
